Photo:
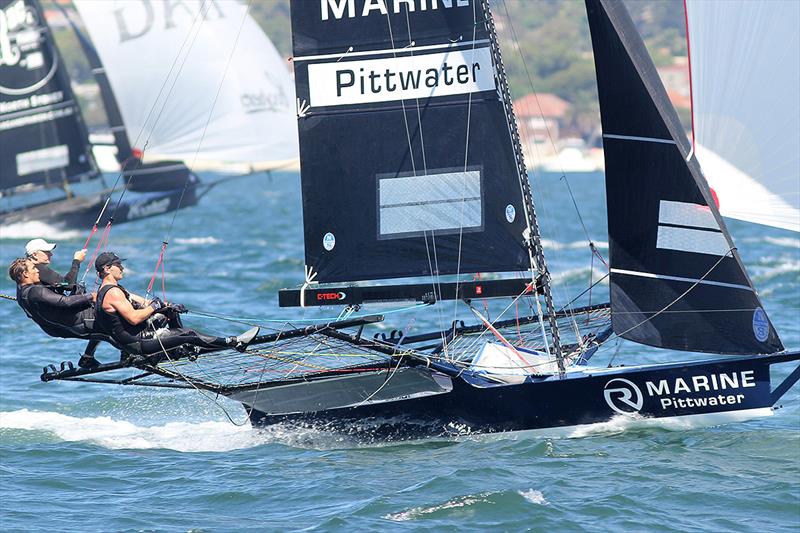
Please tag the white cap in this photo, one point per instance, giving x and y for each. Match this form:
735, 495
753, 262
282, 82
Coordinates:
37, 245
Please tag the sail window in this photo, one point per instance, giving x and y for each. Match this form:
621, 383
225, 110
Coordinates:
443, 202
43, 159
689, 227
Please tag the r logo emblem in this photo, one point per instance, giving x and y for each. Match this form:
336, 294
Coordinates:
623, 396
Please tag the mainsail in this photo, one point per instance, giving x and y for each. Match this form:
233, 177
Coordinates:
407, 161
676, 278
253, 122
44, 141
745, 68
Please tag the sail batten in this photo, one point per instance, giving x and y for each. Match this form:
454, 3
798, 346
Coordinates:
676, 278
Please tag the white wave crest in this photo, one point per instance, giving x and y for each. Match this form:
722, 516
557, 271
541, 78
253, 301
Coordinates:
417, 512
533, 496
34, 228
783, 268
198, 240
789, 242
104, 431
574, 274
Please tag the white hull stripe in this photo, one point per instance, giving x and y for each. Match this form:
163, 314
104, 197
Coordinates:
633, 138
466, 45
676, 278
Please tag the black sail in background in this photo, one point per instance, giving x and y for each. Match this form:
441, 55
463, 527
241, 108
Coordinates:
44, 141
406, 157
676, 279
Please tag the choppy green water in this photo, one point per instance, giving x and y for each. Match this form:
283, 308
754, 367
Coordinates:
77, 456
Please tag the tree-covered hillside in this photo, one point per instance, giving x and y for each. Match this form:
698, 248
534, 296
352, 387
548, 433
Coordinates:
546, 45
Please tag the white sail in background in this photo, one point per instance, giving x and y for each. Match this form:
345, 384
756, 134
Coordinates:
166, 62
745, 58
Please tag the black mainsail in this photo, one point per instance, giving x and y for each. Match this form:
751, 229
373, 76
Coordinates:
406, 156
676, 278
44, 140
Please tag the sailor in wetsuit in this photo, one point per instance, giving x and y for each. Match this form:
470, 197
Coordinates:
124, 316
40, 252
57, 314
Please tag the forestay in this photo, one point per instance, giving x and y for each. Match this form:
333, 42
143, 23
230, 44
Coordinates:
676, 279
42, 135
745, 67
407, 160
253, 123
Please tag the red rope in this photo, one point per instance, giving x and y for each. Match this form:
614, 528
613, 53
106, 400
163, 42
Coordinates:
155, 271
100, 244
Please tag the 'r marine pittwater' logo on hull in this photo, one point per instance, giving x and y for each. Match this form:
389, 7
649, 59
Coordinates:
623, 396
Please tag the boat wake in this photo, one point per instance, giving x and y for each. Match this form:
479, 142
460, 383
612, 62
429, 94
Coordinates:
34, 228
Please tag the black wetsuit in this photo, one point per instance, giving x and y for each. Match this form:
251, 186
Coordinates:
58, 315
140, 338
48, 276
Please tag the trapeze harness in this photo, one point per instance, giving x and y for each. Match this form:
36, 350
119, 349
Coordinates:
142, 339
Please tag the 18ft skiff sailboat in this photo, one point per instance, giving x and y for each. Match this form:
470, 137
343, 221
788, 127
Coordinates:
411, 168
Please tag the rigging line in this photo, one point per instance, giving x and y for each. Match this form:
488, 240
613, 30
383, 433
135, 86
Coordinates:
158, 96
416, 100
253, 322
210, 114
533, 237
466, 160
673, 302
538, 103
402, 102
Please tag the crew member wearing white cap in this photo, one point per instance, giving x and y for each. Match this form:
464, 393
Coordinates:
40, 252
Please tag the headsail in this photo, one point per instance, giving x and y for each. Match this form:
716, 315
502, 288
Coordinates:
407, 160
253, 121
44, 141
676, 278
745, 59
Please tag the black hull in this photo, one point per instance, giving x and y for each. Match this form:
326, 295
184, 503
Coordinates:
720, 390
81, 212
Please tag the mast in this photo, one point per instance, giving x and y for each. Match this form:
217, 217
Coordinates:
534, 239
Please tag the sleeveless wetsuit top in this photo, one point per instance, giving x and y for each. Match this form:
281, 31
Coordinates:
111, 323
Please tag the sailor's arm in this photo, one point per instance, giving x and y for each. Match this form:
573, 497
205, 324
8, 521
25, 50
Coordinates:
115, 301
72, 276
41, 294
48, 276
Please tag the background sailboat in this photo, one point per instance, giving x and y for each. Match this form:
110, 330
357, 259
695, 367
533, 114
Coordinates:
745, 75
220, 99
45, 142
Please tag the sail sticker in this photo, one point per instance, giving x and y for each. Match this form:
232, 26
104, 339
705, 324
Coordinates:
760, 325
686, 214
511, 213
21, 49
692, 240
401, 78
328, 241
447, 201
691, 228
42, 159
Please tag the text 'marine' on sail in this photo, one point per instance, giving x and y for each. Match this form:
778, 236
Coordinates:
406, 157
42, 135
676, 278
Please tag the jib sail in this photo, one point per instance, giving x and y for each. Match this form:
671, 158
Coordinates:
43, 138
676, 279
406, 154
